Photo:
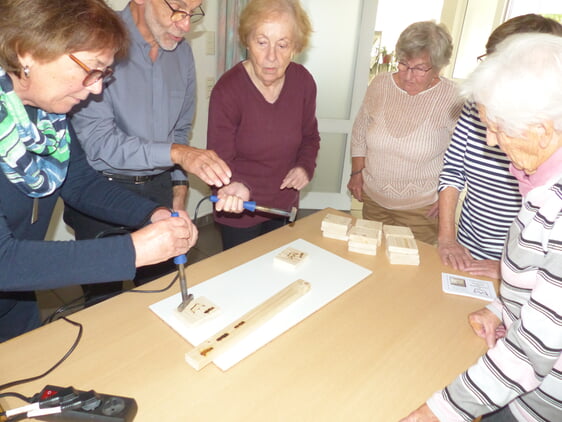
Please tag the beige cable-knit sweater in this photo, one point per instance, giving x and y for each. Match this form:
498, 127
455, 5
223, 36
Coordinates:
403, 139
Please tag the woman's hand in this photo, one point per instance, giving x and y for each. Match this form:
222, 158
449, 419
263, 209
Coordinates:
487, 326
296, 178
485, 267
421, 414
232, 197
453, 254
433, 211
355, 186
163, 239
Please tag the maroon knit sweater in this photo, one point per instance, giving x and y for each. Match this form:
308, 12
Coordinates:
260, 141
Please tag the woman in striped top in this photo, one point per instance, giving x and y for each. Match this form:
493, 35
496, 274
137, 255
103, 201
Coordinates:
519, 99
492, 197
402, 131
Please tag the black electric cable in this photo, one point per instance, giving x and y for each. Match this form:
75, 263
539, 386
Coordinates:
18, 396
73, 304
56, 365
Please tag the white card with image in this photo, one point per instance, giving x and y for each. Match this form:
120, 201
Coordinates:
465, 286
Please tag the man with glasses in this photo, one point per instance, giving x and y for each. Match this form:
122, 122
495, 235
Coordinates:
136, 132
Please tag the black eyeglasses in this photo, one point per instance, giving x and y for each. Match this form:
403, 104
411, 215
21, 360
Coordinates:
92, 75
177, 15
481, 58
417, 71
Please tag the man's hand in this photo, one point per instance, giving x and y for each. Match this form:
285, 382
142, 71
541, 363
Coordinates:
203, 163
486, 325
179, 197
421, 414
232, 197
296, 178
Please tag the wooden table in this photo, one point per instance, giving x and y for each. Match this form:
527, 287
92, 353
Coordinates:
373, 354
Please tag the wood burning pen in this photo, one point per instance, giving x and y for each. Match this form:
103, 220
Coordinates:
180, 261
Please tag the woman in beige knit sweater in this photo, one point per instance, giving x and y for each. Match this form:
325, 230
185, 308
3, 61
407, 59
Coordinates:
402, 131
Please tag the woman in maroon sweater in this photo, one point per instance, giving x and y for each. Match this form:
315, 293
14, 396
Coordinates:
262, 120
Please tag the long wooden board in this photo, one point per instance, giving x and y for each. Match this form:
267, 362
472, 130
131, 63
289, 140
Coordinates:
218, 343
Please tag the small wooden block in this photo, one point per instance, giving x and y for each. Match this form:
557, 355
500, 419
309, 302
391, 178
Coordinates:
337, 224
290, 258
199, 310
338, 220
363, 235
401, 231
368, 224
334, 235
401, 245
351, 247
403, 259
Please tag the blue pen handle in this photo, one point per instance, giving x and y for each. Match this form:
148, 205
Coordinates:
180, 259
248, 205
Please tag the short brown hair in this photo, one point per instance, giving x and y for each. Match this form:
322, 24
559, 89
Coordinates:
258, 11
522, 24
47, 29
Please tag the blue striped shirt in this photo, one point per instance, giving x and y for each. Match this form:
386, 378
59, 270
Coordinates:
492, 199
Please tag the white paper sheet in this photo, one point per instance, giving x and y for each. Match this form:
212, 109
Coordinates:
243, 288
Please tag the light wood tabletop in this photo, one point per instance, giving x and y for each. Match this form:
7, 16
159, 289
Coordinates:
374, 353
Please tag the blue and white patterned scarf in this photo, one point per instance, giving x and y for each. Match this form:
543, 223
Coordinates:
34, 157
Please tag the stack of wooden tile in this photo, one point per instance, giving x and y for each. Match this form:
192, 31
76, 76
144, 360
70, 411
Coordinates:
365, 237
401, 247
336, 226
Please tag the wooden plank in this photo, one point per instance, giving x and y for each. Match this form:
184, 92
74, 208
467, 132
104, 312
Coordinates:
226, 338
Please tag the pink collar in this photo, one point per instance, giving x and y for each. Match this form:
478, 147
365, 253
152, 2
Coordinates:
547, 171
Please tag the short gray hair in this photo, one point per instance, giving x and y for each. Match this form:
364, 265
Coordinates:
520, 84
426, 37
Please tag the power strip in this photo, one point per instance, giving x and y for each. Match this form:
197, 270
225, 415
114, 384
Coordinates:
98, 407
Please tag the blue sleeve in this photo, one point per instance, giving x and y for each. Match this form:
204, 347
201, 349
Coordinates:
39, 265
183, 126
30, 263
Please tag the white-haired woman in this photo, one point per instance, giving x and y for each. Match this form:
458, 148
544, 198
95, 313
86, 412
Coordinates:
519, 96
402, 131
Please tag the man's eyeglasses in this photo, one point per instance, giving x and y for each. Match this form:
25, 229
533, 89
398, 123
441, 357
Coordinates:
194, 16
92, 75
481, 58
416, 71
